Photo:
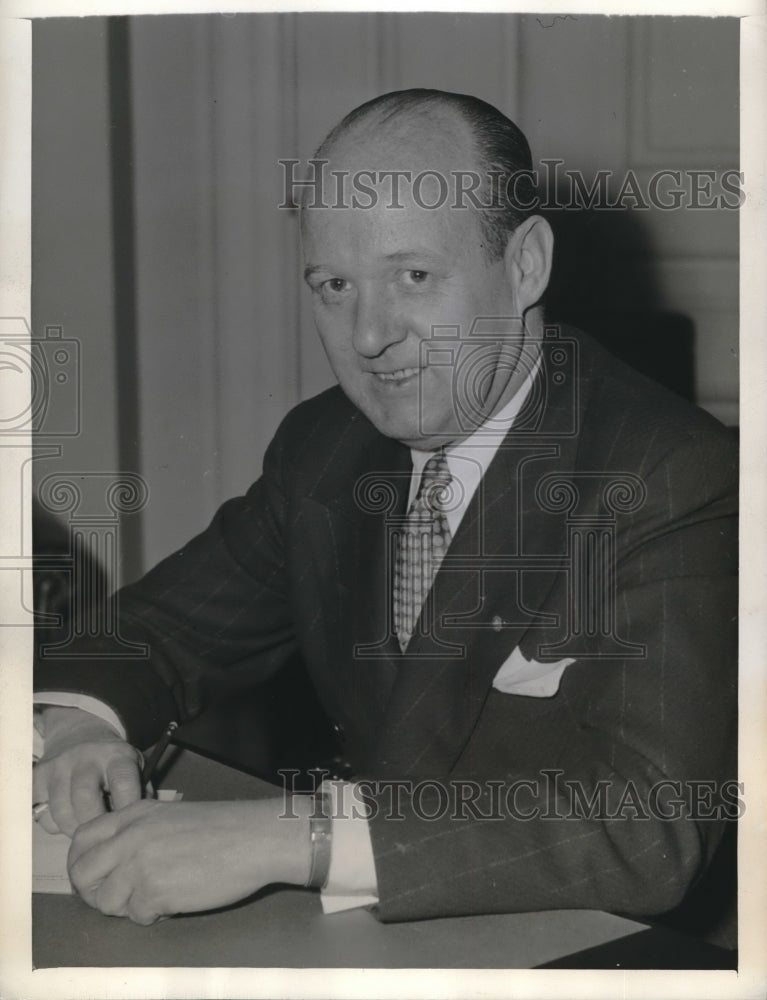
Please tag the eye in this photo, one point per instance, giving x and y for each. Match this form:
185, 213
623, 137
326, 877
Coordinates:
333, 290
415, 277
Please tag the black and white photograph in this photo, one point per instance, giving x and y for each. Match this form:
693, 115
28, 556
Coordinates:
375, 417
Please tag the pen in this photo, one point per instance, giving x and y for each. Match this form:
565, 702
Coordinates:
160, 747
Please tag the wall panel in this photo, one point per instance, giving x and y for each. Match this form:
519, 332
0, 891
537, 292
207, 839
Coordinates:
72, 279
574, 89
463, 53
172, 76
684, 91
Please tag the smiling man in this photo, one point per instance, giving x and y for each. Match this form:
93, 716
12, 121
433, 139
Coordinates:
507, 561
418, 258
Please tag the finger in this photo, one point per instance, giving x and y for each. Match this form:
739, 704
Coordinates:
123, 782
142, 911
87, 792
40, 795
88, 869
111, 897
60, 801
39, 783
47, 822
95, 832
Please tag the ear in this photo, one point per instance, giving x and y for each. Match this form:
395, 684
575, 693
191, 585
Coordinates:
528, 259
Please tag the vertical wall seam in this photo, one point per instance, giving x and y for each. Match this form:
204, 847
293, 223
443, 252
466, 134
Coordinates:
211, 261
123, 238
289, 229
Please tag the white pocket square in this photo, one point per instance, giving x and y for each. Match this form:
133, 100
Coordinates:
528, 677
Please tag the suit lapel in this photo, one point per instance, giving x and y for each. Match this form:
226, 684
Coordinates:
348, 530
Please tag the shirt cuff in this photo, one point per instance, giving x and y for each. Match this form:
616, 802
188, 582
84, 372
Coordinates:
352, 878
82, 701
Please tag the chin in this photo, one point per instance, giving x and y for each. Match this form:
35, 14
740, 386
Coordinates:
400, 430
410, 435
405, 424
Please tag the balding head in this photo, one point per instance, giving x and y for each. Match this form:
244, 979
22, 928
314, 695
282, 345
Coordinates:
483, 158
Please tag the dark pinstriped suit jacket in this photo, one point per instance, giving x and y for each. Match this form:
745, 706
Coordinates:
300, 563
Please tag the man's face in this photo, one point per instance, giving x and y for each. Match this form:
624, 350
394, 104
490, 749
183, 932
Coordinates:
381, 280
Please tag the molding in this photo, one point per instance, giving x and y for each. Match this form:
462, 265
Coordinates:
646, 147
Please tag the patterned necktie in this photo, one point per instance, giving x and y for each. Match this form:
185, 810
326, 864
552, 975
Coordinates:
423, 542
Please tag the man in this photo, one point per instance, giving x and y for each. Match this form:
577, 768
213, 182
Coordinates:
506, 559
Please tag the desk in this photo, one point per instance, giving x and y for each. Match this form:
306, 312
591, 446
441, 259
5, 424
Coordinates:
285, 927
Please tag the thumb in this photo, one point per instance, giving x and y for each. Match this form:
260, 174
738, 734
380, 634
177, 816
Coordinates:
123, 781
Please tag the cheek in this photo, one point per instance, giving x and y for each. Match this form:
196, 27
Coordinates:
438, 388
429, 318
333, 332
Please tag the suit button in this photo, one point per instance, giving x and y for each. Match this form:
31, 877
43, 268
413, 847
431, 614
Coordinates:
339, 732
497, 623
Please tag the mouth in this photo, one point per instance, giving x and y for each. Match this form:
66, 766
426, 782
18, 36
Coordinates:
398, 376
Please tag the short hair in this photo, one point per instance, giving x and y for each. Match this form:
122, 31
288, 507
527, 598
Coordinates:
502, 150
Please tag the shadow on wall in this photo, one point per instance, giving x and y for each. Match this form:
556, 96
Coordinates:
604, 281
66, 582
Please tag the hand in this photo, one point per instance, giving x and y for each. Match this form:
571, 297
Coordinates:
154, 858
84, 759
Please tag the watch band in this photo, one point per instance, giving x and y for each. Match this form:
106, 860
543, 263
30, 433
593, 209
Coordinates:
321, 838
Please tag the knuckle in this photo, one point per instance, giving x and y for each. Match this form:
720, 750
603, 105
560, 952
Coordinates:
78, 841
122, 772
61, 813
145, 871
122, 778
110, 901
84, 790
75, 870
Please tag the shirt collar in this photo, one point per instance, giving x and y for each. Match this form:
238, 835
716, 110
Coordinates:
468, 460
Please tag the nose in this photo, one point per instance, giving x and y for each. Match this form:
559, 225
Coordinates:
376, 324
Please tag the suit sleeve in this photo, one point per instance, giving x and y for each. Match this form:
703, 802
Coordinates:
219, 605
614, 793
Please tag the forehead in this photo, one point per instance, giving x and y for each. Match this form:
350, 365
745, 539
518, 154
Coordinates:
423, 139
387, 194
381, 231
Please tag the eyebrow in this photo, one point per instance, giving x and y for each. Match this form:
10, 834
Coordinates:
398, 257
402, 256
